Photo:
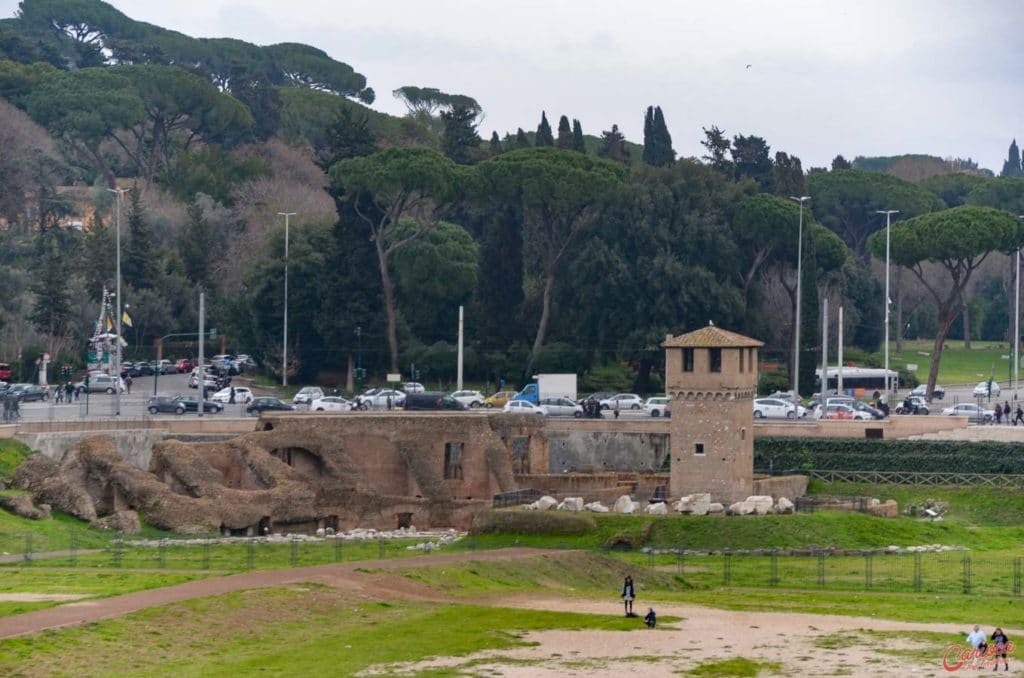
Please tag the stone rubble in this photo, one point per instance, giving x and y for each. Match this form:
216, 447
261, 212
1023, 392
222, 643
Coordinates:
658, 509
438, 537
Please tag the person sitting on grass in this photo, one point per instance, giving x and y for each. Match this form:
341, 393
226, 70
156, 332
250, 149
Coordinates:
651, 619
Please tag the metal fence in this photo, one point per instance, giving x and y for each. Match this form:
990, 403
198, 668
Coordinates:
1000, 480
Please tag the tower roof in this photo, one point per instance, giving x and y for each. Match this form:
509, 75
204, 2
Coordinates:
712, 337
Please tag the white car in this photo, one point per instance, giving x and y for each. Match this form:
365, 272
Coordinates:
656, 406
331, 404
469, 398
242, 395
561, 407
922, 390
413, 387
776, 408
626, 401
843, 411
970, 410
209, 381
522, 407
307, 395
981, 390
379, 398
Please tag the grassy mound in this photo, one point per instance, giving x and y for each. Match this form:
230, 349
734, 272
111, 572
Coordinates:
12, 453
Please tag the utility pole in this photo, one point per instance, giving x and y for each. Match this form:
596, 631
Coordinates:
799, 295
888, 215
202, 342
839, 356
284, 350
459, 380
824, 347
117, 345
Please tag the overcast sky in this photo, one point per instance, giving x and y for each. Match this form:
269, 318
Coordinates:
872, 77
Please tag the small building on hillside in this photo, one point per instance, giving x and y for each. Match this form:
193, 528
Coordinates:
711, 377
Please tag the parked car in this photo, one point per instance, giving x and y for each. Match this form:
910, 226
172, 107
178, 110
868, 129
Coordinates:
982, 389
138, 370
777, 408
876, 413
561, 407
185, 365
102, 383
970, 410
5, 372
264, 404
498, 399
432, 401
656, 406
626, 401
522, 407
922, 390
165, 403
29, 392
244, 362
191, 404
164, 366
331, 404
843, 411
242, 395
307, 394
470, 398
413, 387
380, 398
209, 381
913, 405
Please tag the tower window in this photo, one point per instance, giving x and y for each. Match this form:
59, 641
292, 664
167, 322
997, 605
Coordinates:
715, 358
687, 360
453, 461
741, 360
698, 449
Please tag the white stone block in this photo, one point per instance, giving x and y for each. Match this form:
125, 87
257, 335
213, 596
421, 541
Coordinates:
784, 505
546, 503
573, 503
624, 504
658, 509
596, 507
715, 507
700, 504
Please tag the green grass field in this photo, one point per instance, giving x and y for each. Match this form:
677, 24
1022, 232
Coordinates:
958, 365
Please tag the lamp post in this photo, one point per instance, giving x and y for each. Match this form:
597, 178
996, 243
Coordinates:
1016, 324
799, 295
284, 348
888, 216
117, 344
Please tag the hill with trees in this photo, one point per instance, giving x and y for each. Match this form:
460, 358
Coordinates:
571, 247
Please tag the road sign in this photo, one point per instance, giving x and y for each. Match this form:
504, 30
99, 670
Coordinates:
911, 367
394, 378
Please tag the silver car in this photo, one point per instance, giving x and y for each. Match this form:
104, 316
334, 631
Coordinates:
561, 407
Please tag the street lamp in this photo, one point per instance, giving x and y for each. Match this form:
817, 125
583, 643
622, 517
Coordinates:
888, 215
117, 345
284, 350
1016, 325
799, 299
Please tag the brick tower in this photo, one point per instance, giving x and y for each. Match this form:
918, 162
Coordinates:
711, 378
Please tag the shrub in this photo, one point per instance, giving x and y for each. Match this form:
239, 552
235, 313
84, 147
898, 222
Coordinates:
853, 454
557, 523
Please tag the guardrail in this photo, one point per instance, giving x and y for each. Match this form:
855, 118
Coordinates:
1000, 480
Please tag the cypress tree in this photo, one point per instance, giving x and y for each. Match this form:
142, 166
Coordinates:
495, 144
522, 141
139, 266
577, 137
544, 136
664, 153
613, 146
649, 140
564, 134
1012, 166
460, 137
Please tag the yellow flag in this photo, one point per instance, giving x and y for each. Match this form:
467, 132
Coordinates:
126, 319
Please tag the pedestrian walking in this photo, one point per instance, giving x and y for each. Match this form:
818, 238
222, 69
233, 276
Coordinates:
629, 595
977, 640
231, 396
58, 394
1001, 642
616, 408
999, 414
128, 384
69, 390
1006, 411
1020, 415
78, 392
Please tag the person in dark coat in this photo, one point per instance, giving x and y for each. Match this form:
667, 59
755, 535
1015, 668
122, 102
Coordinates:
651, 619
628, 594
231, 397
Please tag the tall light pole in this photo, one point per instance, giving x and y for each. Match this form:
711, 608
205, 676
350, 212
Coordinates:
799, 295
888, 216
1016, 325
284, 349
117, 344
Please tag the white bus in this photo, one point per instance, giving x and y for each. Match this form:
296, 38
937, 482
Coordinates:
859, 382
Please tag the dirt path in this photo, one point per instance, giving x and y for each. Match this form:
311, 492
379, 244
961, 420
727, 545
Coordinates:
341, 575
786, 643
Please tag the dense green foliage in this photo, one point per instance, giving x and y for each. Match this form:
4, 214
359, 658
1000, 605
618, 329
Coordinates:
850, 454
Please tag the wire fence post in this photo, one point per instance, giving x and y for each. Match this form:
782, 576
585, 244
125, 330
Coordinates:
917, 571
295, 550
161, 551
773, 579
28, 547
680, 556
73, 548
206, 553
967, 574
727, 568
250, 552
1016, 576
869, 557
380, 545
821, 569
337, 549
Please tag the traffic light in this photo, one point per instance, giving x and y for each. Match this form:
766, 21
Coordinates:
87, 383
360, 373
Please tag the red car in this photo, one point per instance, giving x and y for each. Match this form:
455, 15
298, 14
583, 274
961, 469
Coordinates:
5, 372
185, 365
